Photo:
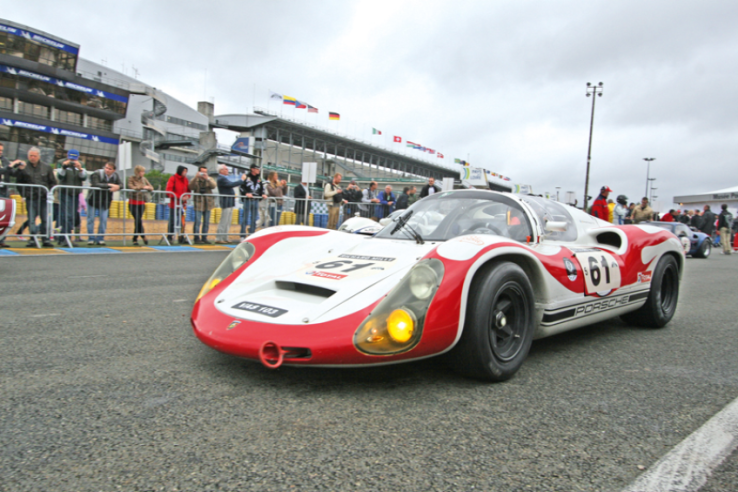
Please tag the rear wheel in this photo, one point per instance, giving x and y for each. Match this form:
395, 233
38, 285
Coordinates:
662, 300
499, 326
705, 249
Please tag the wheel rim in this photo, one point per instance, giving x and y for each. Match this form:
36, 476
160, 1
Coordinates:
708, 248
507, 323
668, 290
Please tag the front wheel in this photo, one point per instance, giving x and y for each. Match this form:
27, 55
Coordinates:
662, 299
499, 325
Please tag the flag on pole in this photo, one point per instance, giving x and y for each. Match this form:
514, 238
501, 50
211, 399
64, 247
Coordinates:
274, 95
289, 100
312, 109
457, 161
398, 139
334, 116
376, 132
439, 155
431, 151
300, 105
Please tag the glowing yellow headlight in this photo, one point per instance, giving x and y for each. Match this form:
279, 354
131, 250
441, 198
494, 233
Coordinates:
400, 325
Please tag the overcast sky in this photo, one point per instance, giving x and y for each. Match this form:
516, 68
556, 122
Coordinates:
499, 82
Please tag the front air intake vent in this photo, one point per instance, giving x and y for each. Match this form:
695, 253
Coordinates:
305, 289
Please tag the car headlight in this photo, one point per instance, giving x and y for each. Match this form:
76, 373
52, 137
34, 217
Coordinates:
240, 255
396, 324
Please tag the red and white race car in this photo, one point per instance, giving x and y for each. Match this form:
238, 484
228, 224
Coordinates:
476, 275
7, 216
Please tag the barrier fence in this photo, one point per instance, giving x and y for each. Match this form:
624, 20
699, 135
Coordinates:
69, 214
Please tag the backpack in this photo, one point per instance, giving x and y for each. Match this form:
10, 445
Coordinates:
728, 218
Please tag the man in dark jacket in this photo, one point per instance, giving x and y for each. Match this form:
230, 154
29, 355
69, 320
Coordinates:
35, 172
599, 207
302, 195
353, 195
708, 221
71, 174
253, 190
430, 188
226, 186
5, 173
402, 200
725, 223
103, 183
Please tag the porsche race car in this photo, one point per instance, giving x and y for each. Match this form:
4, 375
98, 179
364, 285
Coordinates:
475, 275
7, 216
695, 243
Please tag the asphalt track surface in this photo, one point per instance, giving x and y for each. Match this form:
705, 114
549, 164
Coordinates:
104, 387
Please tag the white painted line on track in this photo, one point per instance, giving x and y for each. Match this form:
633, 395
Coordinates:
688, 466
44, 315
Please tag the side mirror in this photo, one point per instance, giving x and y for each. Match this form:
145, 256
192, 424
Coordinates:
554, 226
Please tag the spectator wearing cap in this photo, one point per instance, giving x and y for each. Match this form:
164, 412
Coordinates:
600, 208
642, 212
103, 183
255, 193
226, 184
620, 210
71, 174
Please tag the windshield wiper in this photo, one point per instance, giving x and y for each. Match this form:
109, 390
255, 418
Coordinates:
402, 222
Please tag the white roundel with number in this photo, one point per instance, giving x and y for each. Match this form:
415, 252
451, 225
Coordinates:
601, 272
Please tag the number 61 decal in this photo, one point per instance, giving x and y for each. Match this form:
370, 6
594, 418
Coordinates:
601, 272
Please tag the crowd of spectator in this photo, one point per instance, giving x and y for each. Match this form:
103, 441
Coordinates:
705, 220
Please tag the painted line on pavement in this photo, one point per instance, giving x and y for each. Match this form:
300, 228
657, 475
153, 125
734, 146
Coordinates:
688, 466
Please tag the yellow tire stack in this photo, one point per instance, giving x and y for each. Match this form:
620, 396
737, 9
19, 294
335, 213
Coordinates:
215, 215
234, 217
310, 219
20, 205
150, 211
115, 209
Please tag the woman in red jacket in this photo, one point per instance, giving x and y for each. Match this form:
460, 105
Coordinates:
178, 184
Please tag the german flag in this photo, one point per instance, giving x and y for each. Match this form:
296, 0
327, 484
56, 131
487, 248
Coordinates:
334, 116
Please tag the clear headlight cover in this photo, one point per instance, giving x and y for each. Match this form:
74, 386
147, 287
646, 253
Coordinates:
240, 255
396, 324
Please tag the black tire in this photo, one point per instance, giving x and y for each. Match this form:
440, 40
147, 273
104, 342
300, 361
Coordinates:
705, 249
499, 325
662, 300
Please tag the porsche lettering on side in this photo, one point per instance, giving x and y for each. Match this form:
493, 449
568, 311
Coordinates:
473, 275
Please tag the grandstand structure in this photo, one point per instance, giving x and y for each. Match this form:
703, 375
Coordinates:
283, 145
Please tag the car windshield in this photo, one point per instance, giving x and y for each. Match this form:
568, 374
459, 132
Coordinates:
443, 216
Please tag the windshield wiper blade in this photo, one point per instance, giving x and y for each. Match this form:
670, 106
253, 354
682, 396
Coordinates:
401, 221
402, 224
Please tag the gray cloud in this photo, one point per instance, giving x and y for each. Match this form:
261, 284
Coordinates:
501, 81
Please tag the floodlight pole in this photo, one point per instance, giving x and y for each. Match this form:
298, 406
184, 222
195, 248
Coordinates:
592, 90
648, 172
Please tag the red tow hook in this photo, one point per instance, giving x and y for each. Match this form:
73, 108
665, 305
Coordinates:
271, 355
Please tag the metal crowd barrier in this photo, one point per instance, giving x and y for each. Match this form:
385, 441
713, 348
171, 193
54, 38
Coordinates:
57, 215
120, 208
32, 201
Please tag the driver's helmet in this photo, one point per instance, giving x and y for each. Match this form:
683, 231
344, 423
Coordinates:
622, 199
